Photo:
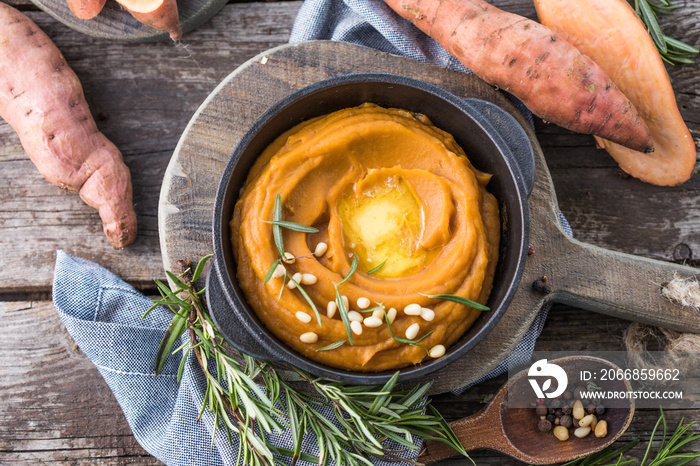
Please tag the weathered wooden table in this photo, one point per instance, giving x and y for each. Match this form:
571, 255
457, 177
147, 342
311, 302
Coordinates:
55, 407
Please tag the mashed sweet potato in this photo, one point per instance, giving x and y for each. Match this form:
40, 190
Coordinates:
400, 194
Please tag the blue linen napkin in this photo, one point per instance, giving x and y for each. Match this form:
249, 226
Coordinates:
103, 313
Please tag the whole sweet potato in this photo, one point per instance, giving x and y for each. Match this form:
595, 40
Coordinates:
611, 33
551, 77
42, 99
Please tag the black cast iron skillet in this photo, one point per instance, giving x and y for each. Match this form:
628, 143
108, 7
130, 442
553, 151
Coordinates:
494, 142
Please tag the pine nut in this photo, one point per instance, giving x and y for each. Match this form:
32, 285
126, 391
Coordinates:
391, 314
331, 308
308, 279
289, 258
437, 351
279, 271
308, 337
412, 331
378, 313
303, 316
321, 249
586, 421
601, 429
427, 314
578, 411
412, 309
363, 303
561, 432
373, 322
345, 301
582, 431
355, 316
356, 327
297, 278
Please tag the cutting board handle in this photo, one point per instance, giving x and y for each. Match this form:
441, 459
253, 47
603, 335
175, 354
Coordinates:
620, 285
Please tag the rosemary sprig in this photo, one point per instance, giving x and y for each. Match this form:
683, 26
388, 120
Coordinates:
353, 268
672, 51
404, 340
307, 298
342, 308
332, 346
377, 268
292, 226
364, 417
459, 300
276, 229
343, 311
667, 453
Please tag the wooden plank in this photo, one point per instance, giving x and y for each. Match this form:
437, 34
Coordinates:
54, 404
143, 110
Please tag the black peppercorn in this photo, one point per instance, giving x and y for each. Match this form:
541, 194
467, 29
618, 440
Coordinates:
567, 409
551, 410
551, 417
544, 425
540, 286
559, 412
574, 422
580, 390
566, 421
567, 395
600, 409
590, 409
541, 410
556, 403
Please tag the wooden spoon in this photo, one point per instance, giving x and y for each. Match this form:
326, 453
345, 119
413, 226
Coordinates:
514, 431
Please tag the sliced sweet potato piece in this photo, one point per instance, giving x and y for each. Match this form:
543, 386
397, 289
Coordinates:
611, 33
158, 14
86, 9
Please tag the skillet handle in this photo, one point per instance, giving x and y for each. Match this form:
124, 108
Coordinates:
620, 285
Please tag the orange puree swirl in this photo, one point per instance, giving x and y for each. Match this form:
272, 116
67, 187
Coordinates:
390, 187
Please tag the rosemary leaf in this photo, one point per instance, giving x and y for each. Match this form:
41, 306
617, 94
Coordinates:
292, 226
353, 267
459, 300
268, 276
377, 268
276, 229
284, 283
172, 334
682, 46
308, 300
404, 340
332, 346
200, 267
167, 293
653, 27
176, 280
342, 310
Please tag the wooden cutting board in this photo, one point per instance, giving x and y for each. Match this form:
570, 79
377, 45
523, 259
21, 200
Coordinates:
580, 274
